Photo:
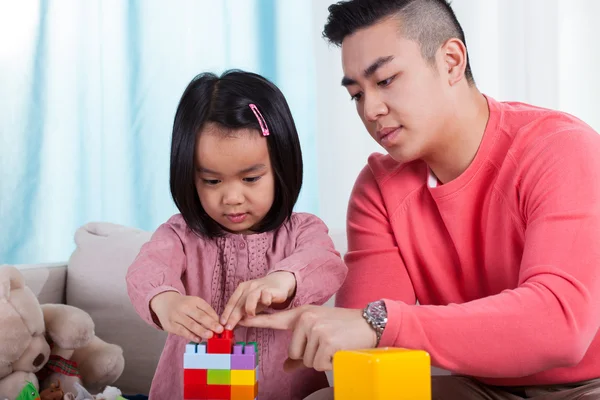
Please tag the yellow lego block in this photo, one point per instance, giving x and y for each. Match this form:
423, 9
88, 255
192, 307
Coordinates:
382, 374
244, 377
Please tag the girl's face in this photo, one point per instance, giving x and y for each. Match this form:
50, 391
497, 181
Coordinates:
234, 178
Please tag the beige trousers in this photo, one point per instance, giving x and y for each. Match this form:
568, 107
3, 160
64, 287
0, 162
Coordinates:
463, 388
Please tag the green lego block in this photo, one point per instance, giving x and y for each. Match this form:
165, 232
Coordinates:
219, 377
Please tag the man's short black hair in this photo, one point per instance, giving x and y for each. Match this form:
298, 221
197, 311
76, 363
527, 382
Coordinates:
428, 22
225, 100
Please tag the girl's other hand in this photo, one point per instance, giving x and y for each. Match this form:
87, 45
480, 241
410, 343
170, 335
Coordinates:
251, 297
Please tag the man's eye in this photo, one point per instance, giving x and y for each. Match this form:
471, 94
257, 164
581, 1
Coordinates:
386, 82
356, 97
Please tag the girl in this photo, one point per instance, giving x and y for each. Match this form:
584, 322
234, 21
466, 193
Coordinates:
236, 248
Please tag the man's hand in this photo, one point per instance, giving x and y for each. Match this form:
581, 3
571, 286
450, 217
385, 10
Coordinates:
318, 333
252, 297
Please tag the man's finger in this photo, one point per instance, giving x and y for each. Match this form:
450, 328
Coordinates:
283, 320
290, 365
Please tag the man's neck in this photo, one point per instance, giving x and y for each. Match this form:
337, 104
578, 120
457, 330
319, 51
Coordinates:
463, 139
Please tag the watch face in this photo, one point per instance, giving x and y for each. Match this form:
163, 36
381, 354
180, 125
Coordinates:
378, 312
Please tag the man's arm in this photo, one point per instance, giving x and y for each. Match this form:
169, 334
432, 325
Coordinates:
551, 318
375, 267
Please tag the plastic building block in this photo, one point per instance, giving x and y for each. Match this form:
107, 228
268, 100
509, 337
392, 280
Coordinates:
206, 361
382, 374
217, 392
244, 377
195, 391
195, 376
222, 343
239, 392
191, 347
244, 357
212, 373
255, 349
219, 377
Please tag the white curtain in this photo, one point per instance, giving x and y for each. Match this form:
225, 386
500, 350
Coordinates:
88, 91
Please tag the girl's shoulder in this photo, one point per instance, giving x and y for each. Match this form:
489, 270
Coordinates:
176, 225
302, 221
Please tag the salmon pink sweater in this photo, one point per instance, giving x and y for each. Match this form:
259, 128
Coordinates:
504, 261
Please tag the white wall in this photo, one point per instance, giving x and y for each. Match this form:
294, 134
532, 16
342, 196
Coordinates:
343, 143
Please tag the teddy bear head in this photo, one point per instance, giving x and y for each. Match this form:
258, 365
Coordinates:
23, 346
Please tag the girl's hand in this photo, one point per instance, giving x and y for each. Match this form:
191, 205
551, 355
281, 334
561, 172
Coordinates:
187, 316
253, 296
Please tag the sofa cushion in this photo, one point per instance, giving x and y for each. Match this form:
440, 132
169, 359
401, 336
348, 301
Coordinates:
96, 284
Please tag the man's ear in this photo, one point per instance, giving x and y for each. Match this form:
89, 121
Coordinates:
454, 53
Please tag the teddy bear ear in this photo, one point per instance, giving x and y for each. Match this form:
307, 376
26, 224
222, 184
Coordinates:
10, 279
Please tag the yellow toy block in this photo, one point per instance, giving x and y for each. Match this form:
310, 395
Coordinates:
382, 374
245, 377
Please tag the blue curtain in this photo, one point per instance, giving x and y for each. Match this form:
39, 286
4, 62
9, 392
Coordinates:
88, 91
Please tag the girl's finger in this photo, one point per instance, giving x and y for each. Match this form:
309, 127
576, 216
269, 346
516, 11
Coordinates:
201, 304
182, 331
202, 318
231, 304
236, 315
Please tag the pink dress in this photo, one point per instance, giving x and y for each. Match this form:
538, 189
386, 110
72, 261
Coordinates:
177, 259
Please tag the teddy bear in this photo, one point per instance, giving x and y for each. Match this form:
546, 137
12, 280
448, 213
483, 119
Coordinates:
50, 343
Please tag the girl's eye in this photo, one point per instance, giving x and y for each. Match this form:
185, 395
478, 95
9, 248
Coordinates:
356, 97
251, 179
386, 82
210, 182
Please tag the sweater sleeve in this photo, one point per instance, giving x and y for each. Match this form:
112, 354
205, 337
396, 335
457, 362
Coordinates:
375, 267
317, 266
551, 317
157, 268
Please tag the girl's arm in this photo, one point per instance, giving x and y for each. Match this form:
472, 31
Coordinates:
317, 266
157, 268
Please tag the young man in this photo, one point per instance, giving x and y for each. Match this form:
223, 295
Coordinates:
486, 213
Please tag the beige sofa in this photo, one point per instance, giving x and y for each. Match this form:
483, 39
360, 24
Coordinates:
93, 279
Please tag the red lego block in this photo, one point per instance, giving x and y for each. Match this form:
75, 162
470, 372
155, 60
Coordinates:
220, 343
194, 391
217, 392
195, 376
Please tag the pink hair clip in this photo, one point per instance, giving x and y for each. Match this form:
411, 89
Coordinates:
261, 121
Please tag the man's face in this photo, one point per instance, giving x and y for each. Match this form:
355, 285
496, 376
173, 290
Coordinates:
400, 97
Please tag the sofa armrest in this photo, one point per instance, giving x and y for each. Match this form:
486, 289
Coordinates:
47, 281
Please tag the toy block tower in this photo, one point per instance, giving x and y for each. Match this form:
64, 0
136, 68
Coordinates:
220, 369
382, 374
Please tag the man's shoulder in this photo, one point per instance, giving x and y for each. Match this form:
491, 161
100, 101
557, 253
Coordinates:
382, 167
530, 124
385, 179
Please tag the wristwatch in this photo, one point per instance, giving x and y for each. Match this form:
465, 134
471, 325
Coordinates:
376, 315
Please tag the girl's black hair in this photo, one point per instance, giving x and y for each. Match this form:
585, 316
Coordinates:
225, 100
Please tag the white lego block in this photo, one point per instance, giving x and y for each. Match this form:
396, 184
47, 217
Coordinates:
206, 361
201, 349
191, 348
